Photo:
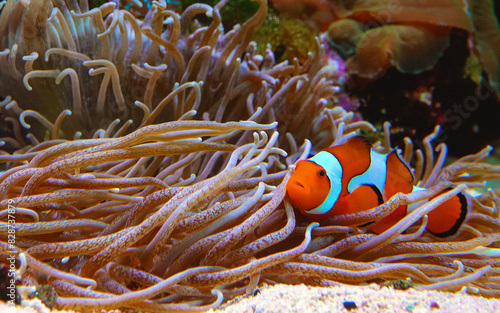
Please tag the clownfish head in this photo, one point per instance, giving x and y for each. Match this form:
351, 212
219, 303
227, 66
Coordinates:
308, 187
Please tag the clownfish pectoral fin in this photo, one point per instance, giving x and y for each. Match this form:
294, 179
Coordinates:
396, 167
446, 219
364, 197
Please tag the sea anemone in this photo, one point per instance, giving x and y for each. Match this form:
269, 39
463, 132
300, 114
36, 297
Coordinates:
106, 213
112, 70
187, 206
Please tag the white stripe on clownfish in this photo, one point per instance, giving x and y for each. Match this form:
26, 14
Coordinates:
334, 173
374, 175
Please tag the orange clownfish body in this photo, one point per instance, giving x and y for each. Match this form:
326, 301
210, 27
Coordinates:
353, 177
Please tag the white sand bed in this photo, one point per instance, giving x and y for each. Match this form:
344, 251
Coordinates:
369, 299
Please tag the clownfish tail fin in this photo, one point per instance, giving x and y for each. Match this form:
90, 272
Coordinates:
446, 219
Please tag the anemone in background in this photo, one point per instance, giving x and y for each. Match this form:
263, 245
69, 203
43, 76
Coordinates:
114, 71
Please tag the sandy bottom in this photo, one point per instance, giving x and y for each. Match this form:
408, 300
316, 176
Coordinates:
304, 299
301, 298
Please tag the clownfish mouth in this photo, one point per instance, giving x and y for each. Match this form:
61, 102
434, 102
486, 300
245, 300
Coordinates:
299, 184
297, 188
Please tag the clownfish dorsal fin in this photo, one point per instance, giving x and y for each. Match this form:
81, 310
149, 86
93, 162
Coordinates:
359, 143
354, 156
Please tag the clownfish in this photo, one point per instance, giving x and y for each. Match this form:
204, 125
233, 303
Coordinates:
353, 177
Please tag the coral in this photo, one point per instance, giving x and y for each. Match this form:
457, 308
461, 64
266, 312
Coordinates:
487, 39
448, 13
393, 45
378, 34
411, 36
289, 37
317, 12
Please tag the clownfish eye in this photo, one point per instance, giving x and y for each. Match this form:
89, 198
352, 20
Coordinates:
321, 173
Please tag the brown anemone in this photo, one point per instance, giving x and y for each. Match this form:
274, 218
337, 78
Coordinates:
409, 35
487, 39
